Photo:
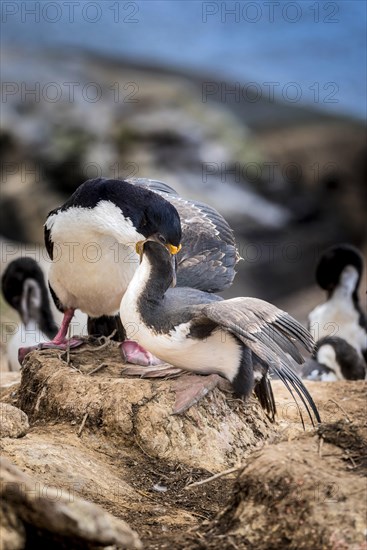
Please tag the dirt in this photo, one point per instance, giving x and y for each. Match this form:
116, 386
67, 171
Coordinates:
132, 457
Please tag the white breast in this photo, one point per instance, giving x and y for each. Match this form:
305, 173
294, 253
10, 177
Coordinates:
94, 257
337, 317
326, 356
219, 353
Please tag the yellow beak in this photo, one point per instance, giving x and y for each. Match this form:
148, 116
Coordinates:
139, 248
170, 247
173, 249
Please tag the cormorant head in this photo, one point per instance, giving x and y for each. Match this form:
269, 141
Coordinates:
160, 221
339, 264
149, 213
14, 279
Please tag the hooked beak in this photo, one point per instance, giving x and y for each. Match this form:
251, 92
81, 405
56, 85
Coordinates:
173, 250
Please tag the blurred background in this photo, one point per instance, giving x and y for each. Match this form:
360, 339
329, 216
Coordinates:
256, 108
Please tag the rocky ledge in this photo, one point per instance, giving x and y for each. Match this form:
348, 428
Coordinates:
106, 447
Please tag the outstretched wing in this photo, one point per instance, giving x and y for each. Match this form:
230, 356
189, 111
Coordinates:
272, 335
209, 255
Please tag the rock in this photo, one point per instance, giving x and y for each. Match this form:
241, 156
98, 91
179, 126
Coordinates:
129, 443
297, 496
159, 127
119, 479
301, 490
12, 529
53, 517
139, 411
14, 422
132, 458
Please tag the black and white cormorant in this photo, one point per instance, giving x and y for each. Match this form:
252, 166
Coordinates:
339, 323
240, 339
334, 359
24, 288
91, 241
340, 318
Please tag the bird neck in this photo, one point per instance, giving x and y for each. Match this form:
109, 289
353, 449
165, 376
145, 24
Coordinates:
151, 280
35, 307
347, 289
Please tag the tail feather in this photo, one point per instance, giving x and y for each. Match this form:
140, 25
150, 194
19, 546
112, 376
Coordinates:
279, 343
290, 379
296, 381
265, 395
295, 330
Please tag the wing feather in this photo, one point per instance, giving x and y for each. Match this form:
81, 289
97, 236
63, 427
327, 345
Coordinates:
272, 335
153, 185
209, 254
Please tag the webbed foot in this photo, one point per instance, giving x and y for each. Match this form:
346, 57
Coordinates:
63, 345
137, 355
191, 389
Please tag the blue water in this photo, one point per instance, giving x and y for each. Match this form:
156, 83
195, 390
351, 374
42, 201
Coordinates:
307, 52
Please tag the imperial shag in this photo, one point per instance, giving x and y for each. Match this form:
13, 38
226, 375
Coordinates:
339, 323
241, 339
25, 290
91, 241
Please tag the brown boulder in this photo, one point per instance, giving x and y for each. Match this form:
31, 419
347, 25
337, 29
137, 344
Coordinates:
35, 512
14, 422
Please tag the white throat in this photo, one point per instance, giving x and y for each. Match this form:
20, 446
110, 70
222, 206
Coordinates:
347, 282
134, 290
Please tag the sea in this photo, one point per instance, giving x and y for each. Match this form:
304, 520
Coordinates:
310, 53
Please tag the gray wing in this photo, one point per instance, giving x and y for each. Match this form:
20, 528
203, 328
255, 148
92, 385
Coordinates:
153, 185
209, 255
271, 334
178, 304
181, 297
